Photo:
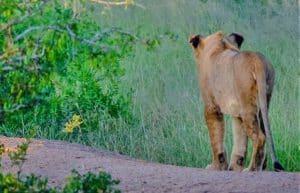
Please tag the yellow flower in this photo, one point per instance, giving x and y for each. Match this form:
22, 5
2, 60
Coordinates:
73, 123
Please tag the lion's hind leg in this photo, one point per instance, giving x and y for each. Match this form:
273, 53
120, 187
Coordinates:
240, 144
250, 124
216, 127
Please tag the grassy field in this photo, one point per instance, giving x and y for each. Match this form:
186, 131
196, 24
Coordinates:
171, 127
168, 124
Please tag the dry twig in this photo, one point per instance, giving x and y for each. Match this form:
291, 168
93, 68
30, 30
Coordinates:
120, 3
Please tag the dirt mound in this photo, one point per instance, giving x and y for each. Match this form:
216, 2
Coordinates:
56, 159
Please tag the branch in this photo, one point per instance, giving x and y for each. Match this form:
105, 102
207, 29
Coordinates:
111, 30
111, 3
15, 108
127, 33
34, 57
99, 36
90, 42
20, 36
30, 29
73, 35
18, 20
68, 30
13, 22
121, 3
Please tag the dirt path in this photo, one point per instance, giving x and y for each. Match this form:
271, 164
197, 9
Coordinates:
55, 159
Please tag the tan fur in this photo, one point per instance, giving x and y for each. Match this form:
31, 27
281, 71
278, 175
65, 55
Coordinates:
238, 83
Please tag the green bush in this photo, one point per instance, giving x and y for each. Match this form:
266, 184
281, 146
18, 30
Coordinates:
77, 183
90, 183
86, 183
54, 56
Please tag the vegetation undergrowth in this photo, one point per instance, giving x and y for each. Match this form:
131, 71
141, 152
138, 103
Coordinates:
24, 183
79, 74
56, 61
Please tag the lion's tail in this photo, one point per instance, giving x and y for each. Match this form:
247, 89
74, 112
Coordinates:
261, 79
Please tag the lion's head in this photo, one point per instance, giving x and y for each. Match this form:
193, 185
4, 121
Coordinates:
200, 43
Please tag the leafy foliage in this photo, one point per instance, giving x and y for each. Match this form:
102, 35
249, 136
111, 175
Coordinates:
86, 183
31, 184
90, 183
53, 54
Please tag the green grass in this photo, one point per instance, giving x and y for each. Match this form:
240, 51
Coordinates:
169, 125
166, 100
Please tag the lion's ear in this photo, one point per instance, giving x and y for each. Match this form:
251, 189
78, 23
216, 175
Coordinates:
237, 38
195, 40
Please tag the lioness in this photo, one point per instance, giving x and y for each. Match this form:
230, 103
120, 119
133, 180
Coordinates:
238, 83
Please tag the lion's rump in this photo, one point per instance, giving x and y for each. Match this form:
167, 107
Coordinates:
227, 82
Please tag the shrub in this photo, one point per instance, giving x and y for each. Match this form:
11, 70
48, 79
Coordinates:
84, 183
55, 57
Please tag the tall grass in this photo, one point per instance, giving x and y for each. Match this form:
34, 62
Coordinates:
169, 125
171, 128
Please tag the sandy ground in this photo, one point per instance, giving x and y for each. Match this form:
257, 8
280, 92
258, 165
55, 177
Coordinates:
56, 159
